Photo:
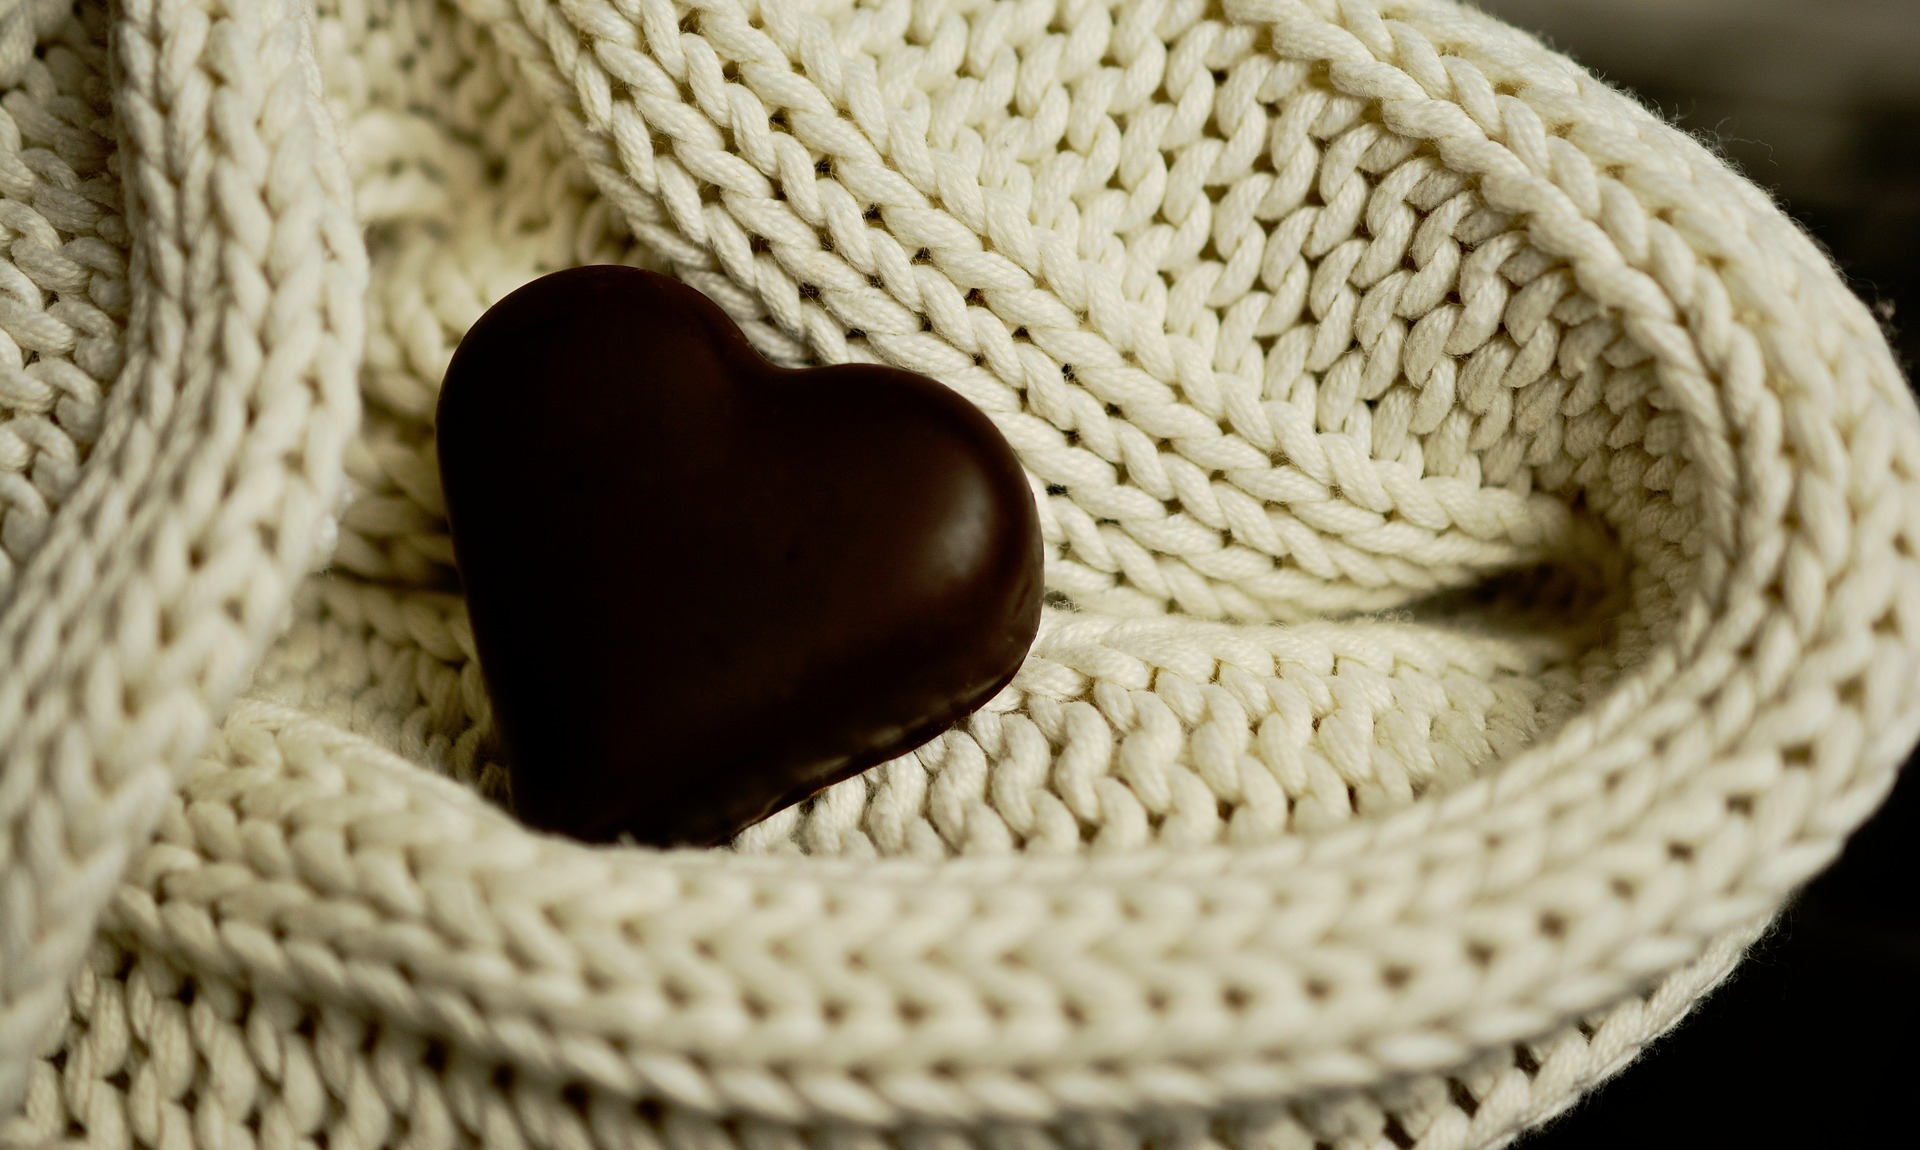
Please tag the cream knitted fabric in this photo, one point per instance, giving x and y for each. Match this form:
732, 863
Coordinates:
1294, 310
186, 236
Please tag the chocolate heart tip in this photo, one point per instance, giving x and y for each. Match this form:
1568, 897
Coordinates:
704, 587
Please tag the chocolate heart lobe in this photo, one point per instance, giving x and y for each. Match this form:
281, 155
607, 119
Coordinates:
703, 587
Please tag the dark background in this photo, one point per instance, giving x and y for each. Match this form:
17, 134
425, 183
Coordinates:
1812, 1042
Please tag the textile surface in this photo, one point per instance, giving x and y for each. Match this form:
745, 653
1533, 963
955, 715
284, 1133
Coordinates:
1481, 546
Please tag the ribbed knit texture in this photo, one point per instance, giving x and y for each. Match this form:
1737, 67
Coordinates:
1484, 537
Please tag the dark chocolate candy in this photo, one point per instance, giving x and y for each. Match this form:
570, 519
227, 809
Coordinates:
704, 587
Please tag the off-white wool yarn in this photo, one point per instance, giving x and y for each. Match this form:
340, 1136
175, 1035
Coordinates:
1484, 536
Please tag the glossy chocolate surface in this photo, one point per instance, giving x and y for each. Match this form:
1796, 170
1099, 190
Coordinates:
703, 587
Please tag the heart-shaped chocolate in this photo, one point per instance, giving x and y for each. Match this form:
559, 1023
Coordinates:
704, 587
